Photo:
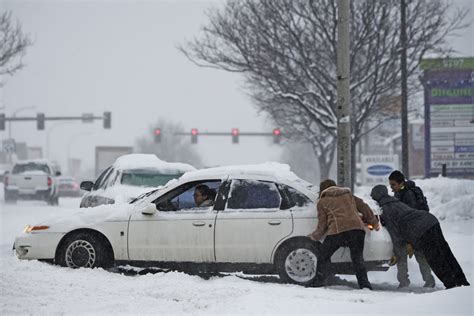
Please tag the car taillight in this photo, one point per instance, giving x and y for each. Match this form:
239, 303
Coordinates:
50, 182
5, 180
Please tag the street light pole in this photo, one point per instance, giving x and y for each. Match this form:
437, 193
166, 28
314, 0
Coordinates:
344, 175
14, 115
10, 155
404, 71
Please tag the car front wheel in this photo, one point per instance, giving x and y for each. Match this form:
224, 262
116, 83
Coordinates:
296, 263
83, 251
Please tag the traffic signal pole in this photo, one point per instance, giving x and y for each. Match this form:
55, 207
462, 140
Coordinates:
41, 118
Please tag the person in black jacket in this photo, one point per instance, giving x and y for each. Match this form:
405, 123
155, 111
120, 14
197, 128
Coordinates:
407, 192
423, 231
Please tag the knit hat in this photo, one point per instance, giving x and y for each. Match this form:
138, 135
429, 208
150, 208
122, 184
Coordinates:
379, 192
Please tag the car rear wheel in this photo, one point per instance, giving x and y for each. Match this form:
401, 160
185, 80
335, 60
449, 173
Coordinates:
296, 263
83, 251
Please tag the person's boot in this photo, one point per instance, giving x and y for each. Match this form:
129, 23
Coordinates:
404, 284
430, 283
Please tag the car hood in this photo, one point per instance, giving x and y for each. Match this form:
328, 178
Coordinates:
88, 218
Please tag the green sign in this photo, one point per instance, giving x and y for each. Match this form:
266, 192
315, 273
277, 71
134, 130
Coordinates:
447, 63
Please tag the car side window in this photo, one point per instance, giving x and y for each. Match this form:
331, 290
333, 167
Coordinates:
296, 198
191, 196
101, 179
252, 194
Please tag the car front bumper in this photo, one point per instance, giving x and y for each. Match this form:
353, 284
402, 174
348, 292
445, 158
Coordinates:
37, 245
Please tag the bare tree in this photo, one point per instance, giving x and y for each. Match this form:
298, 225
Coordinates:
171, 148
13, 44
287, 52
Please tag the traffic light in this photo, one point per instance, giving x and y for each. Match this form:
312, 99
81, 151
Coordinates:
40, 121
2, 122
194, 135
107, 120
157, 133
276, 136
235, 136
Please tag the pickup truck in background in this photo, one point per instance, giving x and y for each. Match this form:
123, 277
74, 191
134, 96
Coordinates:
32, 180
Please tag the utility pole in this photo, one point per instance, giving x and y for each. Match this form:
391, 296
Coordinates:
344, 176
403, 65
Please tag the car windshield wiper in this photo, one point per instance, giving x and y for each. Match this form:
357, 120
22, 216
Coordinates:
144, 195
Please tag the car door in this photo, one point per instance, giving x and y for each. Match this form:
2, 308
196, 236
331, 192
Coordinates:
252, 223
178, 232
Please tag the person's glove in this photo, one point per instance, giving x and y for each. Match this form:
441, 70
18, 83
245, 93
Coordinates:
410, 250
393, 260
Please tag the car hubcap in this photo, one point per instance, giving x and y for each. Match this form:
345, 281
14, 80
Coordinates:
300, 265
80, 254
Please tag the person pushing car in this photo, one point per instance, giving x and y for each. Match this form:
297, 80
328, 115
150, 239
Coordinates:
341, 216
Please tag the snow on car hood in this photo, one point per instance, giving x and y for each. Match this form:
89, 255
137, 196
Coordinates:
88, 217
145, 161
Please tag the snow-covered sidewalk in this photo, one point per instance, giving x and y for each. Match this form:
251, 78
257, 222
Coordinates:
32, 287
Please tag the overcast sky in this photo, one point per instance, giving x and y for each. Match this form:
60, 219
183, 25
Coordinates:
121, 56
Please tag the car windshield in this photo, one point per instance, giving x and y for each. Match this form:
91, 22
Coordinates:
20, 168
147, 178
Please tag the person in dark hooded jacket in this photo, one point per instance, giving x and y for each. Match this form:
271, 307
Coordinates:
423, 231
407, 192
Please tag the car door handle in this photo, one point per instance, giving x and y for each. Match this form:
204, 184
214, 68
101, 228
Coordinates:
273, 223
199, 223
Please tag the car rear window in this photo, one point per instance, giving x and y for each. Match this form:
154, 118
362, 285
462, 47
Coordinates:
251, 194
21, 168
142, 178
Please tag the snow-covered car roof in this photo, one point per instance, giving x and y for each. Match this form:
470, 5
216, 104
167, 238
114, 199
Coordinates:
277, 171
150, 161
36, 161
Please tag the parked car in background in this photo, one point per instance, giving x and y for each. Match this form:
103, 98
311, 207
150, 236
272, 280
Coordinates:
69, 187
258, 222
128, 177
32, 180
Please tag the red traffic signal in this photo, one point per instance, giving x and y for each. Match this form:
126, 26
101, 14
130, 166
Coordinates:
276, 136
235, 135
157, 133
194, 135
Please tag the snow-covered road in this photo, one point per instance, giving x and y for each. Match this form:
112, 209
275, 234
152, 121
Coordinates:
32, 287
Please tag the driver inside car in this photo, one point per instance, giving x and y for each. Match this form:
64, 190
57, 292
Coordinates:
203, 196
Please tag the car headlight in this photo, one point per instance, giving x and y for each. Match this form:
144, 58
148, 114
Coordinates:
28, 229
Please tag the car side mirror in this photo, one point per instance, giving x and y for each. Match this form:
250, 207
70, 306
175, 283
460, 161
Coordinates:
58, 173
149, 209
87, 185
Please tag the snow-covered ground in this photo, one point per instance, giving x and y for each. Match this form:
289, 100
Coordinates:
32, 287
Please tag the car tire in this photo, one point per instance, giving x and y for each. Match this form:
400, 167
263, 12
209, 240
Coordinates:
296, 262
84, 250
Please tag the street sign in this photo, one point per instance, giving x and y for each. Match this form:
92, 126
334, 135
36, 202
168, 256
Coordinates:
8, 145
87, 118
449, 116
375, 169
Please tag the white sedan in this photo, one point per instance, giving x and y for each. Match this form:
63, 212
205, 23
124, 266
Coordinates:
258, 222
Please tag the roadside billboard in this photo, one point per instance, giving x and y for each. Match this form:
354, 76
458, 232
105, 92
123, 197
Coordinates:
449, 116
375, 169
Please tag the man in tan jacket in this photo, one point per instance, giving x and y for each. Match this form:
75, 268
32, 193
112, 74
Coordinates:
341, 216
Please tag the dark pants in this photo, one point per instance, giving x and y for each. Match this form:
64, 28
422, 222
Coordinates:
354, 239
440, 258
402, 268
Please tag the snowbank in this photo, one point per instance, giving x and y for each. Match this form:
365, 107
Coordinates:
449, 199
